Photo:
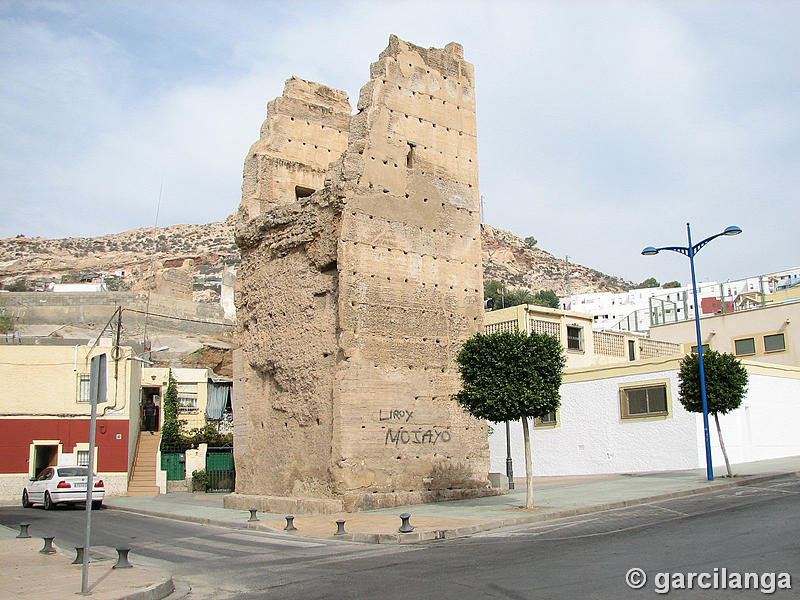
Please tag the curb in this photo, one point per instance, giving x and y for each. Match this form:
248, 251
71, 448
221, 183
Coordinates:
441, 534
193, 519
157, 591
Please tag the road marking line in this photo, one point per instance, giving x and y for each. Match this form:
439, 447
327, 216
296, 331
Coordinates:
772, 489
161, 548
669, 510
276, 539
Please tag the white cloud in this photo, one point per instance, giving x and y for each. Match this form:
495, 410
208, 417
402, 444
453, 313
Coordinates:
603, 127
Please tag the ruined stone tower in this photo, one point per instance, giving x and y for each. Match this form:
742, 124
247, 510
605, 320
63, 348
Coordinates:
360, 279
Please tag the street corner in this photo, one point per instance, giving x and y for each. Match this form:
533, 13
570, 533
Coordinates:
378, 528
37, 568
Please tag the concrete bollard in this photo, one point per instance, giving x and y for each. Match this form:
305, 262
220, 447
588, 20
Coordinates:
78, 556
23, 530
253, 516
48, 545
340, 527
290, 523
405, 526
122, 559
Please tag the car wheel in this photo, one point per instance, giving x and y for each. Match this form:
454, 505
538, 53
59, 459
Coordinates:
97, 504
26, 503
48, 502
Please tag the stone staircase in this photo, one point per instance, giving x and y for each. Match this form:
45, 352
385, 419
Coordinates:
143, 476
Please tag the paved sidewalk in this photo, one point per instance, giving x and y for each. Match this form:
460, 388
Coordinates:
26, 574
554, 497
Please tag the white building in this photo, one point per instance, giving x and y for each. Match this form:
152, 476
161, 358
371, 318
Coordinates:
638, 309
627, 418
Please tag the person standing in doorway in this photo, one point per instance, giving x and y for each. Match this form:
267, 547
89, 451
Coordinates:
150, 412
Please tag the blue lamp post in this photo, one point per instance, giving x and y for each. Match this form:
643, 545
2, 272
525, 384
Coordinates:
690, 251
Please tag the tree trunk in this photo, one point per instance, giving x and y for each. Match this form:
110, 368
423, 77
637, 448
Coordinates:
528, 465
722, 445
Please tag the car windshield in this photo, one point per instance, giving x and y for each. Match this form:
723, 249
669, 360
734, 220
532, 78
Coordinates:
72, 472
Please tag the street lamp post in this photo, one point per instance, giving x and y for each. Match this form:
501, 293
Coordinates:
509, 462
690, 251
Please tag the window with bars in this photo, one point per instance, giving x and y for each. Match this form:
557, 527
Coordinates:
82, 458
83, 387
187, 397
574, 338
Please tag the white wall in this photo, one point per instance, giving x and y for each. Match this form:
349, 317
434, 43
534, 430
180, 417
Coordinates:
592, 438
767, 425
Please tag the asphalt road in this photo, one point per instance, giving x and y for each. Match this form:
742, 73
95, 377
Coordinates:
751, 529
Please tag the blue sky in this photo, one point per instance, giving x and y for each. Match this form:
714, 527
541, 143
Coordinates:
602, 126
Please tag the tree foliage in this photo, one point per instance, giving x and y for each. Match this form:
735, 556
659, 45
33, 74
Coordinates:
510, 376
726, 382
546, 298
671, 284
6, 322
650, 282
18, 285
531, 241
726, 385
502, 297
171, 430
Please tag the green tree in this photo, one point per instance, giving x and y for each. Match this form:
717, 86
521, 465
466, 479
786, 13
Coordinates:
18, 285
171, 430
671, 284
496, 291
726, 386
6, 322
510, 376
531, 242
519, 296
546, 298
650, 282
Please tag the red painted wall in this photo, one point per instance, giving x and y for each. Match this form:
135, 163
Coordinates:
16, 436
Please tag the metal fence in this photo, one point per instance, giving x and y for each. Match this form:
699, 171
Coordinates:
220, 469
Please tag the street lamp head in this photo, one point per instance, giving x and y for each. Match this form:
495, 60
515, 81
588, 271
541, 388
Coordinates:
650, 251
732, 230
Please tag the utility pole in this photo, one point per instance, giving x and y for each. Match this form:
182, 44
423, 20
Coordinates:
566, 275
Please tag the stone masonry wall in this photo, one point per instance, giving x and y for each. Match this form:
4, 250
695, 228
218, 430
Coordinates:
353, 301
410, 280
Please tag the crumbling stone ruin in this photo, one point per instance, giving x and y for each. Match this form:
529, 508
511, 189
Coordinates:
360, 280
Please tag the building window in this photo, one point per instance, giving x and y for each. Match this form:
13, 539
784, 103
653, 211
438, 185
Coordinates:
744, 346
82, 458
574, 338
774, 342
187, 397
706, 348
548, 420
83, 388
651, 400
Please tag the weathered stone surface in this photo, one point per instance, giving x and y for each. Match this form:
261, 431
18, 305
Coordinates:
353, 301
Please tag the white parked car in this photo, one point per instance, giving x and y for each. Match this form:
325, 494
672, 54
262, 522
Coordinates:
56, 485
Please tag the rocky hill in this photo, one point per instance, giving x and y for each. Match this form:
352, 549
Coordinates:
127, 258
